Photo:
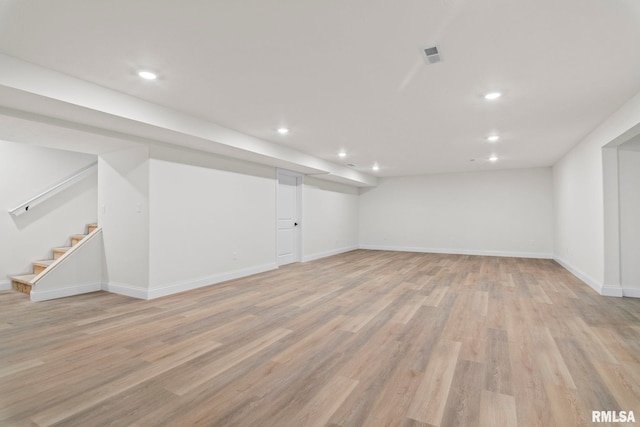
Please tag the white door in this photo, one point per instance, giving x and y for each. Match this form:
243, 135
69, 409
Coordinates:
288, 217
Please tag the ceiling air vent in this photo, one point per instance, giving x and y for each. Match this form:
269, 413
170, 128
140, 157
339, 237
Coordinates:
431, 54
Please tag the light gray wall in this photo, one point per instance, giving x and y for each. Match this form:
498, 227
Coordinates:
212, 219
505, 212
579, 202
123, 214
629, 169
330, 212
176, 219
25, 171
579, 212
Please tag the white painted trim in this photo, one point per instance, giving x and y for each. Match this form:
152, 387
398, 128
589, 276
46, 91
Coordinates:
611, 291
208, 280
325, 254
611, 203
126, 290
55, 189
5, 285
593, 283
64, 292
631, 292
538, 255
300, 234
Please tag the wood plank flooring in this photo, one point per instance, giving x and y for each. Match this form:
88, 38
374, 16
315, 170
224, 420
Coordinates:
366, 338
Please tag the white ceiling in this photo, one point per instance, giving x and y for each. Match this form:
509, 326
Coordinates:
348, 74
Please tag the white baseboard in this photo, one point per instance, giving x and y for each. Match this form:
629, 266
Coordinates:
126, 290
46, 295
631, 292
610, 291
539, 255
208, 280
5, 285
325, 254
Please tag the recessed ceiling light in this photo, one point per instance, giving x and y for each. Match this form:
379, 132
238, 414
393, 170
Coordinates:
492, 95
375, 167
493, 138
147, 75
283, 131
342, 154
493, 158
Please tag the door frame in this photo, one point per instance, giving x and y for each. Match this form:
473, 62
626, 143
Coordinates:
299, 229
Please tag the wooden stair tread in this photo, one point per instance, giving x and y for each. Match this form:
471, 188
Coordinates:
58, 252
24, 278
77, 238
23, 282
44, 262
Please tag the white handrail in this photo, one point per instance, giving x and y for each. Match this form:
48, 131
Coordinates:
29, 204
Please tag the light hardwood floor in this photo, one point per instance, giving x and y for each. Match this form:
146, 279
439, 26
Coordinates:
365, 338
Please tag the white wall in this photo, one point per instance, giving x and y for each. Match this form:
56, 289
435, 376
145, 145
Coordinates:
212, 219
579, 202
123, 214
579, 213
25, 171
330, 213
505, 212
629, 168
